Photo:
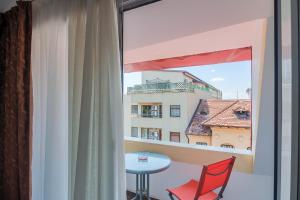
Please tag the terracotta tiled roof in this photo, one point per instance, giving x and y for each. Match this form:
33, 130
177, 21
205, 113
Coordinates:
237, 115
228, 113
206, 109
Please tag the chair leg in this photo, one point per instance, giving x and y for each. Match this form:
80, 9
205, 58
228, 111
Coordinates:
171, 196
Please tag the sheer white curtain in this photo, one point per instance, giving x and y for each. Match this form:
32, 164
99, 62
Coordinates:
95, 129
78, 134
50, 101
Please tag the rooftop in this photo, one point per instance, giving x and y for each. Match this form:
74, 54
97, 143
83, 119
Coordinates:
159, 85
222, 113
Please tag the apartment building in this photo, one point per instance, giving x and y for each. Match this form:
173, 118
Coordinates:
162, 106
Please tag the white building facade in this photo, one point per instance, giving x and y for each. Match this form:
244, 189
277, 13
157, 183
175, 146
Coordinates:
162, 106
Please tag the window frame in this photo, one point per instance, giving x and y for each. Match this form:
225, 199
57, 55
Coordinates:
173, 133
153, 108
278, 82
142, 133
148, 133
175, 108
137, 109
137, 129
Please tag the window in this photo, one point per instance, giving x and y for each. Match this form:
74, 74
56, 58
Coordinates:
229, 146
242, 113
174, 136
152, 111
174, 110
215, 96
203, 112
202, 143
154, 134
144, 133
134, 132
134, 109
151, 133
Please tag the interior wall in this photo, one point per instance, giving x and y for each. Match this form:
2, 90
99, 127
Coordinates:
264, 154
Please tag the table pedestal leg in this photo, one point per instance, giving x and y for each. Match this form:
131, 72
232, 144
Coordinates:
142, 186
148, 186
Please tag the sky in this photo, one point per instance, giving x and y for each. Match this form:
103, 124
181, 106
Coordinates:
232, 79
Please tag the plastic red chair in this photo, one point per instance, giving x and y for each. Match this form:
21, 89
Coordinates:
213, 176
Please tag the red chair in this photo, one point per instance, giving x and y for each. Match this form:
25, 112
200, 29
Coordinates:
213, 176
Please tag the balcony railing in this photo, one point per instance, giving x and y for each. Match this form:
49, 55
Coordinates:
187, 153
161, 87
148, 115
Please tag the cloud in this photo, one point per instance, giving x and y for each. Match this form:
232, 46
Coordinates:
213, 70
217, 79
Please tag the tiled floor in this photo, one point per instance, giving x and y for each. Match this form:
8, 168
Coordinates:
130, 195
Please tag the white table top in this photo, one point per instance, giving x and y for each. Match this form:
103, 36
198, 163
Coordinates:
155, 163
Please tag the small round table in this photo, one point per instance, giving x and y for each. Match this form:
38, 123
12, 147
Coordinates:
155, 163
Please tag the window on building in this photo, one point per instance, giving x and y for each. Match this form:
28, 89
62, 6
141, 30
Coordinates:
202, 143
134, 132
152, 111
229, 146
174, 136
203, 112
144, 133
151, 133
134, 109
242, 113
174, 110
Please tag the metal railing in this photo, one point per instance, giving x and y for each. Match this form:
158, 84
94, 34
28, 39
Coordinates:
161, 87
149, 115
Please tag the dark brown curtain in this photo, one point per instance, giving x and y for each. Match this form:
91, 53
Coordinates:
15, 106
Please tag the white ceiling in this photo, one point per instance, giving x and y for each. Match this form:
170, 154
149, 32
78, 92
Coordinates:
170, 19
251, 33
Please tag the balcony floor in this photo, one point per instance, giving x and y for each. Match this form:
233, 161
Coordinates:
130, 195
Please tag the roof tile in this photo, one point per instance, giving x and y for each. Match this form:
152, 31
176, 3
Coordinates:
229, 113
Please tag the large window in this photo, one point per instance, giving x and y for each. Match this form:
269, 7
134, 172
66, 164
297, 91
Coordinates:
174, 110
152, 111
204, 93
151, 133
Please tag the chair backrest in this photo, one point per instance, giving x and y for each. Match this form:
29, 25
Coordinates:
215, 176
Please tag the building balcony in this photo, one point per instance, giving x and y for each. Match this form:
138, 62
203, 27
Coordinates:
187, 161
147, 115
